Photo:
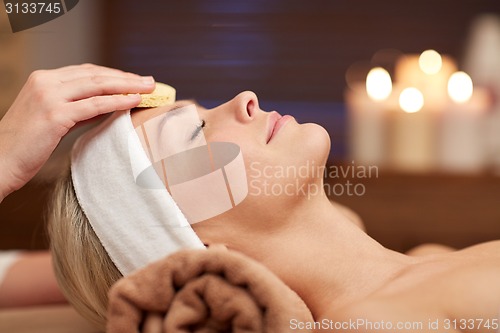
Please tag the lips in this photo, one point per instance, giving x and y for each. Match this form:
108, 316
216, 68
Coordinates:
276, 121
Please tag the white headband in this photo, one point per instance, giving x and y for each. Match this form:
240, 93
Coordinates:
136, 225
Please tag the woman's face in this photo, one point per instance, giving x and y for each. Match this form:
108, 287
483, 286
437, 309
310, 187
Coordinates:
283, 160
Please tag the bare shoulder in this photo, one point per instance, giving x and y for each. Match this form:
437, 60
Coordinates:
491, 248
473, 288
438, 294
484, 249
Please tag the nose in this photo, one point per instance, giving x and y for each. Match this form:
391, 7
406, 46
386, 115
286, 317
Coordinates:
246, 106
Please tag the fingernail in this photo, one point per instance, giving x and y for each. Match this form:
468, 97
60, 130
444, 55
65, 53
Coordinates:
134, 96
148, 80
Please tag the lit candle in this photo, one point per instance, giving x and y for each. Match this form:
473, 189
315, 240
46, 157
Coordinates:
462, 144
368, 105
428, 72
412, 133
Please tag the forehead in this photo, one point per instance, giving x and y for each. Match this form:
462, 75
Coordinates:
141, 115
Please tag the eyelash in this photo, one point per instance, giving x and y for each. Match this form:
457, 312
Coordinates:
198, 129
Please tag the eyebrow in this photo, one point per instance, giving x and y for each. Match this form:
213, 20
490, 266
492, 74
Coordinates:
183, 102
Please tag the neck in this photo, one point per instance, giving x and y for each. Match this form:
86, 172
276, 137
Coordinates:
328, 260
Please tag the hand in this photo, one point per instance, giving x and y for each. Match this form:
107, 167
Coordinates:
49, 105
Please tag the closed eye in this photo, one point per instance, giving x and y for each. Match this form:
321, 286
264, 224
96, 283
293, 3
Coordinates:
198, 129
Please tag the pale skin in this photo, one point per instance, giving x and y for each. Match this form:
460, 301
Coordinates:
48, 106
314, 247
338, 270
55, 101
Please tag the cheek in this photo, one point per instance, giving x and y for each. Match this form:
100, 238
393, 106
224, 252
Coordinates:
221, 135
250, 148
275, 172
225, 133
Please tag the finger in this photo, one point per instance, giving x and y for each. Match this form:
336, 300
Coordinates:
79, 73
88, 121
86, 67
105, 85
69, 73
92, 107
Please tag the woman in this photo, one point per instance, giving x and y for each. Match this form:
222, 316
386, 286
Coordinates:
338, 270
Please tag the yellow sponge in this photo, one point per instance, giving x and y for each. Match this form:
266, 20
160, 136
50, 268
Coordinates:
162, 95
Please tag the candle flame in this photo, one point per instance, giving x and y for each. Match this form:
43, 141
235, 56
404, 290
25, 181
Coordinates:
460, 87
378, 84
430, 62
411, 100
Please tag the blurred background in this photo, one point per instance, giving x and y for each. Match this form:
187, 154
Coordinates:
435, 142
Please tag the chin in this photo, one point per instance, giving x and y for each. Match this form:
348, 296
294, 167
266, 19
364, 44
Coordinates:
307, 145
314, 143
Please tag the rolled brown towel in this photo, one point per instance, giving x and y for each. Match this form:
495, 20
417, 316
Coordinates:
205, 291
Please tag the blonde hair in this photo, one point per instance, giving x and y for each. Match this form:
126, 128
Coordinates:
83, 268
